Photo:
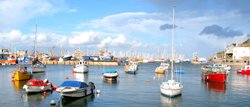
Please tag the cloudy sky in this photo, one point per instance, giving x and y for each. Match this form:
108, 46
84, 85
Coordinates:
202, 26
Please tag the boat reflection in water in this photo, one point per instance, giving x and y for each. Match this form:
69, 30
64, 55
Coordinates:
215, 86
76, 102
83, 77
33, 100
158, 77
171, 102
18, 85
110, 82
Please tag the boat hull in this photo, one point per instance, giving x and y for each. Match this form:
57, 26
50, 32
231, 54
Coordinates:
171, 88
160, 71
131, 71
171, 92
81, 69
19, 76
36, 89
75, 92
37, 69
215, 77
247, 72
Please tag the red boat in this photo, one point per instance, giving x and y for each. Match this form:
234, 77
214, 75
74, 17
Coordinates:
245, 70
36, 85
215, 75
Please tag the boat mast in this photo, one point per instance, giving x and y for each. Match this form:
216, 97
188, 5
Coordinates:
172, 62
35, 41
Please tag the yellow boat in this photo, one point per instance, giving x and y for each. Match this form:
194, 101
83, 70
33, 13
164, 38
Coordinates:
160, 71
162, 68
20, 73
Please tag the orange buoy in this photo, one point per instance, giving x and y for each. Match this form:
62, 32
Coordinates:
67, 78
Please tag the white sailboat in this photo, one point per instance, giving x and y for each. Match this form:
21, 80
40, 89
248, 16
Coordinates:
36, 65
171, 87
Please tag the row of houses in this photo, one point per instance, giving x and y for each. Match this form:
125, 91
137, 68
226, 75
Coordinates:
236, 52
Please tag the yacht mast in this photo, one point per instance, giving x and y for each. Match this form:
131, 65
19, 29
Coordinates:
35, 41
172, 61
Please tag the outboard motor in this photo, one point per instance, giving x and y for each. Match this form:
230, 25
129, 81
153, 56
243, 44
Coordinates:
92, 85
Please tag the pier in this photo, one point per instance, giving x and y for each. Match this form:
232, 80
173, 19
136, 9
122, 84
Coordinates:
102, 63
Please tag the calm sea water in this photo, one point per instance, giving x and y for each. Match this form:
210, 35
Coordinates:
140, 90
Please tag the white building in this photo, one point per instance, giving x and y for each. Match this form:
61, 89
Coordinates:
239, 52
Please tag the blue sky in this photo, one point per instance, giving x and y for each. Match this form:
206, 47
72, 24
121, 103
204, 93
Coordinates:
202, 26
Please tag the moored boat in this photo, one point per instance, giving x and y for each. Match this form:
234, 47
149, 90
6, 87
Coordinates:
179, 71
171, 88
245, 70
37, 85
110, 74
37, 66
76, 89
131, 67
215, 74
21, 73
81, 67
67, 57
162, 68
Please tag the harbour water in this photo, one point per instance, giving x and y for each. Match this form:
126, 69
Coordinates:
140, 90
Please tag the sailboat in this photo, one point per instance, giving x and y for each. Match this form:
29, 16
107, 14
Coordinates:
171, 88
36, 65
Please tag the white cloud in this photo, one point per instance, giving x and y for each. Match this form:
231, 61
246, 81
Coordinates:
84, 37
72, 10
127, 23
17, 12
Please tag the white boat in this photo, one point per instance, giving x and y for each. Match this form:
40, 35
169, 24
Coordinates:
171, 88
36, 85
110, 74
76, 89
81, 67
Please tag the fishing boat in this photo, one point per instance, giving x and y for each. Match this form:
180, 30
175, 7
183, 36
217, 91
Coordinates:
76, 89
36, 65
171, 88
110, 74
162, 68
131, 67
37, 85
21, 73
81, 67
67, 57
215, 74
12, 60
245, 70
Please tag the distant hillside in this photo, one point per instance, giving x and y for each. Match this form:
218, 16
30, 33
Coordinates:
246, 43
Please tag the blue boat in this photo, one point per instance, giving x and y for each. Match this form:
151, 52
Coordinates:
75, 89
131, 67
179, 71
